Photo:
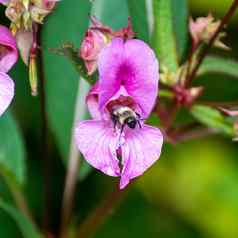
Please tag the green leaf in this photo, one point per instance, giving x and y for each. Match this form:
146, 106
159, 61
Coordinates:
170, 35
214, 64
164, 40
138, 14
12, 151
180, 17
212, 118
112, 13
67, 23
27, 229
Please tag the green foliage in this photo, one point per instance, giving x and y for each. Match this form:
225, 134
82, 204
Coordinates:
12, 151
212, 118
164, 41
220, 65
139, 17
27, 229
138, 217
180, 21
61, 79
170, 31
197, 181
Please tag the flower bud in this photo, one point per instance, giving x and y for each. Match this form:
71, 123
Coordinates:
202, 30
24, 42
95, 39
33, 75
185, 96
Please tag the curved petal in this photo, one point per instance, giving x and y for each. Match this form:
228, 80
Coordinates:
109, 61
143, 85
6, 91
4, 2
141, 149
8, 49
92, 102
132, 64
98, 143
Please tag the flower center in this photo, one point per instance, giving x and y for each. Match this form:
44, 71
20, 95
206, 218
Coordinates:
125, 73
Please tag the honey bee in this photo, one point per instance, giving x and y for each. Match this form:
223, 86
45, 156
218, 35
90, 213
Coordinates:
125, 116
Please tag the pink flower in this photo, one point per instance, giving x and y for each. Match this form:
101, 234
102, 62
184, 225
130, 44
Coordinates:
128, 83
96, 38
8, 57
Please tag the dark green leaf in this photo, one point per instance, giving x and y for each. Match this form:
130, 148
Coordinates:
66, 24
12, 151
214, 64
138, 14
180, 17
26, 227
212, 118
112, 13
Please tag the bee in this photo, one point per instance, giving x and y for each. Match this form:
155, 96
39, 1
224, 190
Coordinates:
125, 116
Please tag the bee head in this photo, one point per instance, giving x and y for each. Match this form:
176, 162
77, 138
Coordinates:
131, 122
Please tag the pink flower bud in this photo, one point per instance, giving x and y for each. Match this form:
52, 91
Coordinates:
202, 30
95, 39
93, 42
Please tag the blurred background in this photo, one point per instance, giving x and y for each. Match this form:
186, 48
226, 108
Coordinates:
192, 191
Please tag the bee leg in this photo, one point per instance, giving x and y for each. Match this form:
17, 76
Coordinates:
139, 124
114, 125
138, 115
122, 128
114, 120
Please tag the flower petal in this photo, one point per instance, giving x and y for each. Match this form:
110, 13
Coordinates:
6, 91
133, 64
8, 49
92, 102
109, 61
141, 149
143, 85
4, 2
98, 143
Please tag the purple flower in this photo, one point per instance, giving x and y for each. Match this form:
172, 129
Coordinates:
117, 141
8, 57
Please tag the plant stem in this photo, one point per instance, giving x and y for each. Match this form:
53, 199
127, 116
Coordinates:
204, 53
73, 162
44, 140
101, 213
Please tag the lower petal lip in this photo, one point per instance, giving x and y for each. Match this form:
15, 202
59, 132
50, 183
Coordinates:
6, 92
